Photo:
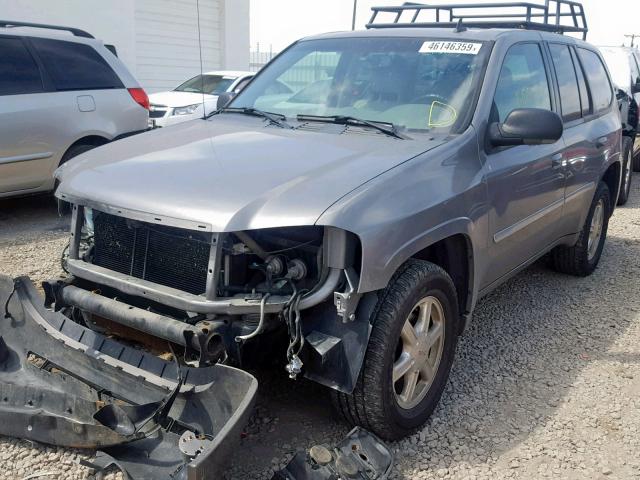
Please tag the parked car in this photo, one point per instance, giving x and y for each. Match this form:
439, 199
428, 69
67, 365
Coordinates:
624, 65
62, 93
361, 225
194, 98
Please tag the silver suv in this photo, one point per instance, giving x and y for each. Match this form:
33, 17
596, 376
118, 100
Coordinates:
61, 94
348, 228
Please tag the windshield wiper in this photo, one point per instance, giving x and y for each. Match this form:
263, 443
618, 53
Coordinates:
390, 130
272, 117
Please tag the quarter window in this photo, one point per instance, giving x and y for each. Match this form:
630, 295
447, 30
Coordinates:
75, 66
19, 73
601, 90
523, 81
585, 98
568, 82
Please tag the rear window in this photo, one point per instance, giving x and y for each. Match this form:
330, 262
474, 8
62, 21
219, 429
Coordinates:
75, 66
19, 72
568, 82
601, 91
208, 84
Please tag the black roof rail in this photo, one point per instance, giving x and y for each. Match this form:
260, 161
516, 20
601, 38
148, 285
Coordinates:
75, 31
551, 16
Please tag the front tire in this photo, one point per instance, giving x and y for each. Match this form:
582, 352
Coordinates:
582, 258
410, 353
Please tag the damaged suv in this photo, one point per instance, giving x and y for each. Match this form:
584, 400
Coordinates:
360, 218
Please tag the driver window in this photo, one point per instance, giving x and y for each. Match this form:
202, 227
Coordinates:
522, 82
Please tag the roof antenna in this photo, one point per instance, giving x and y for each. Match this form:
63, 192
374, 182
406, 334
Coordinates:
459, 27
204, 112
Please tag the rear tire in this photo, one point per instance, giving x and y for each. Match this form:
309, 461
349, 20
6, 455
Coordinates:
582, 258
422, 299
627, 170
75, 150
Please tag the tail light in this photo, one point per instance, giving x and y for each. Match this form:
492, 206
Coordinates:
140, 97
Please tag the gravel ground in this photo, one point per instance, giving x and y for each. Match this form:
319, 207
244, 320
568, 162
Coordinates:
546, 382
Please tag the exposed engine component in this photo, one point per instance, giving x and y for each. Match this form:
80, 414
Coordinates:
274, 266
296, 269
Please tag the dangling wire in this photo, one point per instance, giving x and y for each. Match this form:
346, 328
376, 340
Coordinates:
296, 338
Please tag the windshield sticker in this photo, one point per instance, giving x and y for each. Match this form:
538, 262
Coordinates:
442, 115
468, 48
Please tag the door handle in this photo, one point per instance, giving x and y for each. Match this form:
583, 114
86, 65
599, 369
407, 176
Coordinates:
601, 142
557, 161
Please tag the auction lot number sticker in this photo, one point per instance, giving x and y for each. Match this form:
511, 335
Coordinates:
469, 48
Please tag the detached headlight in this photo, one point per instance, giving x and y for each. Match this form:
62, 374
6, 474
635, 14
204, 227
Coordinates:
188, 110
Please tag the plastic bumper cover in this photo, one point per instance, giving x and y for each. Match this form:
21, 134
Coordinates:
64, 384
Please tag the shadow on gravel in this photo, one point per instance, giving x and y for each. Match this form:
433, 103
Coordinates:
527, 344
25, 215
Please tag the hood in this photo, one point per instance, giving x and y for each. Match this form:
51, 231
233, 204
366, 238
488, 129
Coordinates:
234, 172
179, 99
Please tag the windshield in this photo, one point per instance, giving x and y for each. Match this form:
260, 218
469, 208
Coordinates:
209, 84
416, 83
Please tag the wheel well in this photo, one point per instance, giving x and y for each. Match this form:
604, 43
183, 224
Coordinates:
94, 140
453, 254
612, 178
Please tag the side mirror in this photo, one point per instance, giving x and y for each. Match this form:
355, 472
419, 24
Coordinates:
224, 99
635, 88
526, 126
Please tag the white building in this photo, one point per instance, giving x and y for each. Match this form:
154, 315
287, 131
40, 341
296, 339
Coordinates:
156, 39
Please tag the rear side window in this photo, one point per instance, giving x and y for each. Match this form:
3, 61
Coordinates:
75, 66
585, 98
600, 86
19, 73
568, 82
523, 81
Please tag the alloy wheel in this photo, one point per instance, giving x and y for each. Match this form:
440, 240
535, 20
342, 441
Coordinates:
595, 229
419, 352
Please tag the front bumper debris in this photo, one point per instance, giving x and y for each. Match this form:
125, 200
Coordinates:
64, 384
360, 455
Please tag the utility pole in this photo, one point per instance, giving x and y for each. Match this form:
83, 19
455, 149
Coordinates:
353, 21
633, 37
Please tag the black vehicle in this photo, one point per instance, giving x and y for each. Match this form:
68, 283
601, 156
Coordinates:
624, 65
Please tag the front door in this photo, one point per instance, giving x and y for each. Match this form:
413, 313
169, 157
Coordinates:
525, 183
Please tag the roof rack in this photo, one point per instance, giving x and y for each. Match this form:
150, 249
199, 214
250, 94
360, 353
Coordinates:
75, 31
547, 17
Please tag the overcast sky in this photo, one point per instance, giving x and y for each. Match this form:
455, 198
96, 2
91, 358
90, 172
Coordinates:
277, 23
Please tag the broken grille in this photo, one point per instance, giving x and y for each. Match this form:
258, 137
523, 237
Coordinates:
168, 256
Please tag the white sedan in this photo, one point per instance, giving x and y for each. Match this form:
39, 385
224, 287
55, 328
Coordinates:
195, 98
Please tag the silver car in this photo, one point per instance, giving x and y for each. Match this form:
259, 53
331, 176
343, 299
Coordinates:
61, 94
348, 228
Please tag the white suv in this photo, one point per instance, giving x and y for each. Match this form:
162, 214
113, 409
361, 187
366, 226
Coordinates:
62, 92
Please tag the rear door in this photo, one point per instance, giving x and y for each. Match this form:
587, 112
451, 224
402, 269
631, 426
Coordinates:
592, 136
526, 183
25, 150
